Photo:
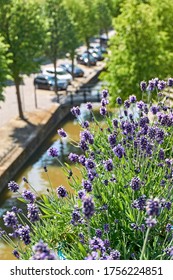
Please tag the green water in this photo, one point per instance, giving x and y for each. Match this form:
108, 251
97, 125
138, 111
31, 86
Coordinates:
35, 174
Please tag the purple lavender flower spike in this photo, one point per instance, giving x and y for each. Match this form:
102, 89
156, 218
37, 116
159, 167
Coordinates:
93, 256
16, 254
85, 124
98, 233
114, 255
139, 203
82, 159
119, 151
103, 111
170, 82
97, 244
140, 105
29, 196
10, 219
104, 102
42, 252
119, 100
169, 251
151, 222
61, 191
108, 164
132, 99
75, 217
89, 164
62, 133
168, 227
151, 85
88, 207
143, 85
161, 85
73, 157
76, 111
24, 233
81, 194
153, 207
53, 152
89, 106
87, 185
105, 93
112, 139
127, 104
154, 109
106, 227
135, 183
13, 186
33, 212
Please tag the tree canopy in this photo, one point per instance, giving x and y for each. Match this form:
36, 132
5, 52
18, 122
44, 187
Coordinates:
139, 49
22, 26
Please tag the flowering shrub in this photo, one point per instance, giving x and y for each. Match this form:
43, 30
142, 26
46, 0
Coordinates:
122, 206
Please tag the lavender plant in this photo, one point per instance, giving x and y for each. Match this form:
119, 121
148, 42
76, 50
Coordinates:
122, 206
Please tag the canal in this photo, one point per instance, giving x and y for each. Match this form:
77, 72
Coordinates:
34, 169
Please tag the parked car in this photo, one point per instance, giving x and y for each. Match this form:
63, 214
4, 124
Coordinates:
48, 82
77, 71
61, 73
97, 54
98, 47
83, 59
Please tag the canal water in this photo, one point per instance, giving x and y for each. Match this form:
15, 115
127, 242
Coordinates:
34, 172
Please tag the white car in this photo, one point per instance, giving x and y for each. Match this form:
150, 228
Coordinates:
61, 73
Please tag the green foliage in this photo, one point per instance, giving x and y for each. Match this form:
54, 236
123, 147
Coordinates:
22, 27
85, 15
104, 16
138, 50
124, 206
3, 66
56, 16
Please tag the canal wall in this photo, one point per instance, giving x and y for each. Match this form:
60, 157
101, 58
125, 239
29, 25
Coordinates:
31, 141
25, 137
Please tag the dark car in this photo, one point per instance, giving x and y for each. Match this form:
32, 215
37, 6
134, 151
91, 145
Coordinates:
100, 48
77, 71
83, 59
48, 82
97, 54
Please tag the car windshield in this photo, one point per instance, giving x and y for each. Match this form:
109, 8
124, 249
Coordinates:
58, 72
61, 72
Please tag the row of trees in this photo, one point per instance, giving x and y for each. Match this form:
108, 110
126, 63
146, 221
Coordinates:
32, 29
142, 47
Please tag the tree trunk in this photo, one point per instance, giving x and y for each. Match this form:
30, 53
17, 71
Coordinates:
56, 80
72, 66
88, 46
19, 102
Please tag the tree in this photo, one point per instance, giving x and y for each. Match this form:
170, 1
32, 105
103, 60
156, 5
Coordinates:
137, 50
4, 72
104, 17
85, 15
163, 10
58, 31
23, 29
